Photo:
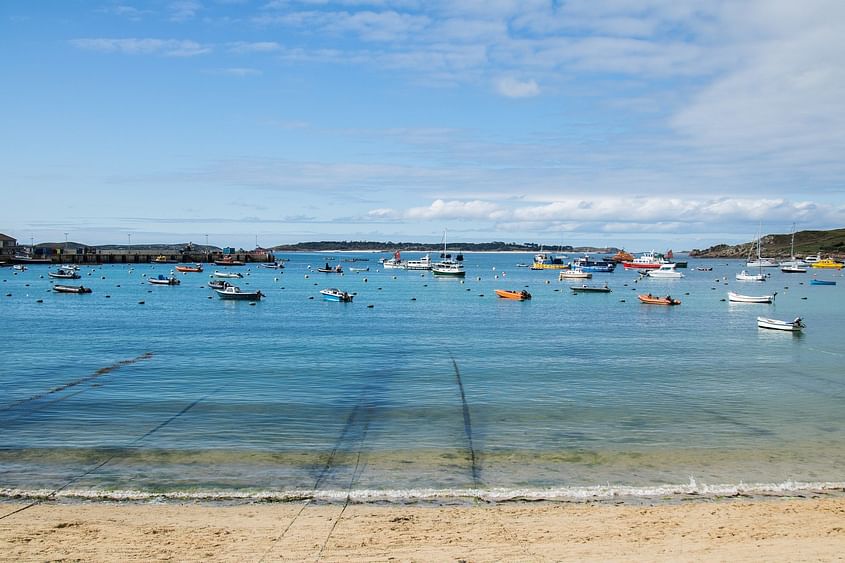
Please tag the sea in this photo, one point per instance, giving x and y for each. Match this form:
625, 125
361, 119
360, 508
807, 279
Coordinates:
423, 389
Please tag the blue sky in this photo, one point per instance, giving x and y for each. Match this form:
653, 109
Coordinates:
635, 123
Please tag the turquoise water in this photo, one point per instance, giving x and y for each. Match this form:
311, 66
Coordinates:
439, 390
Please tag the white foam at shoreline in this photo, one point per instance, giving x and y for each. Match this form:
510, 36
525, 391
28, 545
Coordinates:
574, 494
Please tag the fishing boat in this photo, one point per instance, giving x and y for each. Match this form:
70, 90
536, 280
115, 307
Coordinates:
665, 271
334, 294
822, 282
272, 265
424, 263
587, 264
775, 324
233, 292
219, 274
739, 298
228, 261
71, 289
163, 280
519, 295
828, 263
448, 267
329, 270
194, 268
646, 261
218, 284
394, 263
590, 288
576, 274
162, 259
655, 300
745, 276
64, 274
548, 261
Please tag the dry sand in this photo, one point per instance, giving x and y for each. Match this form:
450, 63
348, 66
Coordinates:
732, 530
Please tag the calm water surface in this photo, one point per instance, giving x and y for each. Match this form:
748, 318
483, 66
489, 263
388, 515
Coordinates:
440, 389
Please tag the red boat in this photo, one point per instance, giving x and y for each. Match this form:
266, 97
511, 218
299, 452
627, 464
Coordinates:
228, 261
655, 300
196, 268
648, 261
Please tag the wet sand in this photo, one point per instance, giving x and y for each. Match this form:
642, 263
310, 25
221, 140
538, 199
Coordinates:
736, 529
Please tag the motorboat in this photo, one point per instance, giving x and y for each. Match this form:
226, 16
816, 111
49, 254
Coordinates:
739, 298
424, 263
646, 261
587, 264
762, 263
576, 274
219, 274
64, 274
218, 284
665, 271
19, 267
394, 263
745, 276
792, 268
27, 259
812, 258
233, 292
272, 265
822, 282
828, 263
334, 294
548, 261
448, 267
590, 288
71, 289
163, 280
329, 270
228, 261
775, 324
351, 269
704, 268
621, 256
194, 268
162, 259
517, 294
655, 300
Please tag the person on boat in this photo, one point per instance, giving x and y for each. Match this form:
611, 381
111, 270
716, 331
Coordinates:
327, 266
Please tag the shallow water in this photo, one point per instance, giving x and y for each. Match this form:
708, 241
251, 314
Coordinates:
295, 396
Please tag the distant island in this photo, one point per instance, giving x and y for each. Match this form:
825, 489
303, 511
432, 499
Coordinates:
389, 246
779, 246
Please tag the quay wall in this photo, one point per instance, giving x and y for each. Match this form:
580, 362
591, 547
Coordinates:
90, 256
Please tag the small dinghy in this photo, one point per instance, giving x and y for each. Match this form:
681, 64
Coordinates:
194, 268
519, 295
234, 292
64, 274
162, 280
218, 274
738, 298
775, 324
822, 282
71, 289
590, 288
334, 294
655, 300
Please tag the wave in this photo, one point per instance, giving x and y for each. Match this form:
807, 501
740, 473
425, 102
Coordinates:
666, 493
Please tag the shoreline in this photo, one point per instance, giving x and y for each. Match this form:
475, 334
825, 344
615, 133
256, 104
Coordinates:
727, 529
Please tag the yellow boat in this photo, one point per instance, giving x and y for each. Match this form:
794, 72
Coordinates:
520, 295
828, 263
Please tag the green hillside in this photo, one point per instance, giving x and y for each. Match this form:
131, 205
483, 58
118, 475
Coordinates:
778, 246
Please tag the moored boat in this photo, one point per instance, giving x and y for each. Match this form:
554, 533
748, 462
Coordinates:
329, 270
517, 294
655, 300
272, 265
334, 294
218, 284
776, 324
576, 274
828, 263
745, 276
219, 274
447, 266
228, 261
19, 267
351, 269
548, 261
822, 282
622, 256
163, 280
666, 271
588, 264
739, 298
162, 259
590, 288
71, 289
790, 268
646, 261
394, 263
424, 263
64, 274
234, 292
194, 268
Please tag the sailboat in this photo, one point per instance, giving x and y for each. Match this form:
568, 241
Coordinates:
760, 262
447, 266
759, 277
793, 265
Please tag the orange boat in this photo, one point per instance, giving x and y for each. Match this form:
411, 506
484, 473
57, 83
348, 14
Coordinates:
513, 294
655, 300
196, 268
622, 256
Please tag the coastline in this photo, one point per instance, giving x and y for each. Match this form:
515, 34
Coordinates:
703, 529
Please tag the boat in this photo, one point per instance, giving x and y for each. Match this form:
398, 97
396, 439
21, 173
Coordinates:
812, 258
394, 263
272, 265
704, 268
517, 294
219, 274
665, 271
334, 294
195, 268
424, 263
447, 266
792, 269
234, 292
228, 261
762, 263
775, 324
590, 288
738, 298
329, 270
793, 265
577, 274
670, 257
162, 259
218, 284
828, 263
655, 300
163, 280
745, 276
621, 256
646, 261
822, 282
26, 259
351, 269
64, 274
71, 289
19, 267
587, 264
523, 265
548, 261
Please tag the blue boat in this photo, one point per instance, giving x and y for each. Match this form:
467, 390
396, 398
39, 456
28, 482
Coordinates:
334, 294
822, 282
587, 264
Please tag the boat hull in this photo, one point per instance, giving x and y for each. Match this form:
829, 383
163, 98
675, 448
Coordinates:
651, 300
513, 294
71, 289
775, 324
590, 289
336, 295
822, 282
238, 295
738, 298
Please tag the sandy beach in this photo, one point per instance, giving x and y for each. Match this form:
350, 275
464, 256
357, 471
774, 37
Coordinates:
737, 529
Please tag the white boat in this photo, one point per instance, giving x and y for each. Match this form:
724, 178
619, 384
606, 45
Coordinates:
745, 276
334, 294
218, 274
812, 258
793, 265
394, 263
272, 265
775, 324
789, 268
234, 292
19, 267
64, 274
359, 269
761, 263
576, 274
424, 263
739, 298
665, 271
447, 266
162, 280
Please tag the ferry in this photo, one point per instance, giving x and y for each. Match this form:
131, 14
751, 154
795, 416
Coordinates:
647, 261
548, 261
424, 263
587, 264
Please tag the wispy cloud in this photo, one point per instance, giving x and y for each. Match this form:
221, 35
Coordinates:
235, 71
513, 88
183, 10
134, 46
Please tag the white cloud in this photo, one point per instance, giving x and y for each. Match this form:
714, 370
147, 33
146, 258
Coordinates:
236, 71
254, 47
183, 10
133, 46
513, 88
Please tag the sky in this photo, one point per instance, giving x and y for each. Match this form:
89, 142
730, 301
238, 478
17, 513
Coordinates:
631, 123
